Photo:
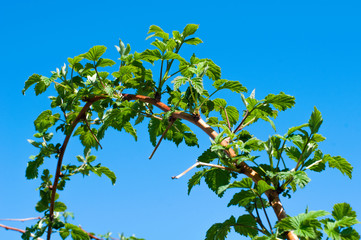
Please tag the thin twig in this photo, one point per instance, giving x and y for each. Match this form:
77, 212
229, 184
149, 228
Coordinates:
204, 164
190, 168
161, 138
259, 221
303, 151
161, 73
150, 110
265, 213
96, 139
17, 230
240, 125
96, 71
20, 219
225, 112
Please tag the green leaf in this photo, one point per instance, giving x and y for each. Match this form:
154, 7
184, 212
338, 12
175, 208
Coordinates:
215, 178
293, 153
35, 78
44, 83
64, 233
262, 187
207, 156
219, 231
219, 104
172, 55
339, 163
86, 136
110, 174
301, 178
281, 101
242, 198
232, 113
155, 128
315, 121
246, 225
196, 179
46, 120
158, 32
190, 29
190, 139
304, 225
79, 234
59, 207
197, 84
234, 86
294, 129
129, 129
160, 45
33, 166
179, 81
151, 55
104, 62
341, 210
42, 205
193, 41
94, 53
318, 137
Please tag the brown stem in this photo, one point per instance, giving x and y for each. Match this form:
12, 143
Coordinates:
258, 219
240, 125
265, 213
17, 230
161, 138
60, 159
272, 195
225, 112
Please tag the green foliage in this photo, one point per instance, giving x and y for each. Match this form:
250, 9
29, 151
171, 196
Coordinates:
89, 102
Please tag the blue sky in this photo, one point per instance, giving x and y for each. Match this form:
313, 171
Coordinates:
309, 50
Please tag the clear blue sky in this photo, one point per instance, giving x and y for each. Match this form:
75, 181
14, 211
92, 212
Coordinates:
309, 50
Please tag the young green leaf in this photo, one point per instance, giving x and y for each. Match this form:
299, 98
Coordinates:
190, 29
157, 32
193, 41
59, 207
35, 78
234, 86
315, 121
341, 210
46, 120
94, 53
280, 101
339, 163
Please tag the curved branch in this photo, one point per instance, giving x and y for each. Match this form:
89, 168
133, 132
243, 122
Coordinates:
272, 195
81, 114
